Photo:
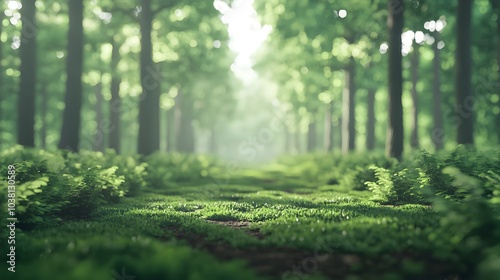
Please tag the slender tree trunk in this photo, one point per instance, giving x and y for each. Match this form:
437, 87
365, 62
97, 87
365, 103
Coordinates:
288, 139
414, 61
149, 108
328, 137
298, 135
438, 130
496, 7
70, 132
311, 136
463, 64
370, 125
177, 119
185, 132
170, 129
115, 103
497, 117
26, 101
2, 71
348, 107
99, 134
213, 140
43, 115
395, 133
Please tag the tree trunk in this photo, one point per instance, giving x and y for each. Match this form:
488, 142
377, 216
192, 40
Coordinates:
311, 136
213, 141
298, 134
438, 130
43, 115
496, 7
328, 137
70, 132
149, 108
115, 103
370, 121
99, 134
27, 51
414, 62
185, 135
170, 129
288, 139
348, 106
395, 133
463, 63
498, 67
2, 71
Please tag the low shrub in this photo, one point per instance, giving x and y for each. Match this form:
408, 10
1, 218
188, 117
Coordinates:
165, 169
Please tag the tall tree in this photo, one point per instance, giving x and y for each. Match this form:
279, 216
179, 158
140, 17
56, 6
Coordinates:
438, 130
370, 122
115, 103
463, 63
43, 114
328, 129
395, 133
414, 64
99, 140
496, 7
149, 110
2, 15
70, 132
311, 135
348, 106
185, 136
170, 122
26, 101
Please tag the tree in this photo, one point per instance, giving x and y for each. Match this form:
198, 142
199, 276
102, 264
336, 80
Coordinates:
496, 7
437, 135
2, 15
26, 101
395, 133
115, 103
414, 64
463, 62
348, 107
311, 135
43, 115
149, 110
70, 132
185, 133
328, 135
99, 118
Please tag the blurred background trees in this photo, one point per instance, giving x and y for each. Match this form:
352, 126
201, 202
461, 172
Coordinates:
146, 76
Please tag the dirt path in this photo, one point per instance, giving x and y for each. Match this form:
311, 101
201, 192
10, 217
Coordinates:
287, 263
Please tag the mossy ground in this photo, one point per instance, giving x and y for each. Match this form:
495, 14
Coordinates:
267, 223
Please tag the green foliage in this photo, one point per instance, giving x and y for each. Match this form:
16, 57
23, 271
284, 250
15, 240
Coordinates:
165, 169
51, 186
421, 177
476, 240
395, 188
458, 231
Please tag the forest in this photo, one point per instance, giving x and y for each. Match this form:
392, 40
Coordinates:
250, 139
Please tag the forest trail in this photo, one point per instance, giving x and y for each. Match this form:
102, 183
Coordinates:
293, 262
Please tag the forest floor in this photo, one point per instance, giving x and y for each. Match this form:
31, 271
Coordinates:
259, 224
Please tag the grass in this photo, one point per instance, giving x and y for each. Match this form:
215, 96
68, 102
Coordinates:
139, 234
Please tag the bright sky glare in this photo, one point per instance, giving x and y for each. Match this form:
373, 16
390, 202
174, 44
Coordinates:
245, 34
